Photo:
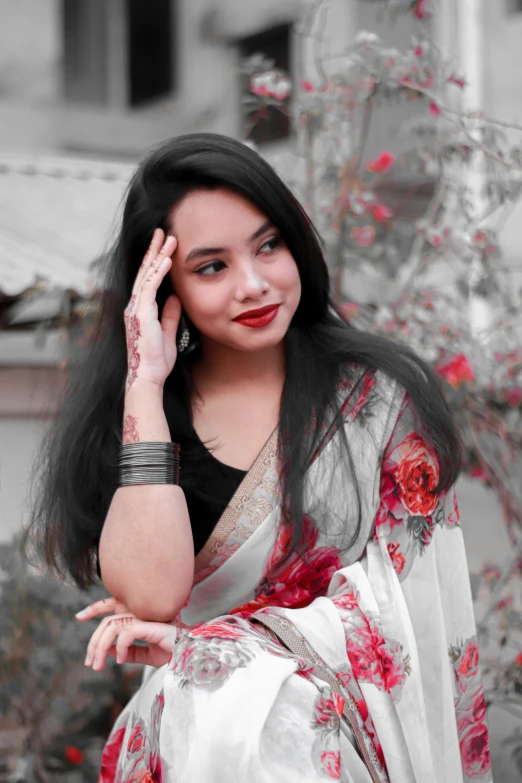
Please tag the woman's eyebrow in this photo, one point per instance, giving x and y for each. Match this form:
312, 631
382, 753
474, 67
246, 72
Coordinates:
200, 252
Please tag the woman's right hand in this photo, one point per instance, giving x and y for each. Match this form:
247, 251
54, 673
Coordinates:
151, 345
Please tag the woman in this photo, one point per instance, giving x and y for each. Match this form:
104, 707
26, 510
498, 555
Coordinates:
300, 580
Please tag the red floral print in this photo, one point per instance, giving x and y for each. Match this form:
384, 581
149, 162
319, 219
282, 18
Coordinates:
375, 660
396, 556
474, 749
110, 756
470, 711
470, 661
224, 630
136, 741
296, 583
417, 476
327, 713
331, 764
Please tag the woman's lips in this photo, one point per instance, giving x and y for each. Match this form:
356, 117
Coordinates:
258, 318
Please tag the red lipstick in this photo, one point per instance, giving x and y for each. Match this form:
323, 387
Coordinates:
257, 318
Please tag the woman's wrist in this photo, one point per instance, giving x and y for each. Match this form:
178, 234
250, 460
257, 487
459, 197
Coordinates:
144, 418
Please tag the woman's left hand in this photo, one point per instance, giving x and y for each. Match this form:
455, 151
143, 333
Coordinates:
126, 628
115, 636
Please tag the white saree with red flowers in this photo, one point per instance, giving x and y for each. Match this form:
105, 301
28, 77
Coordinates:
355, 663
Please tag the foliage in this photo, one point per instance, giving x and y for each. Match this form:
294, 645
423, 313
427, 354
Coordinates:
64, 709
413, 241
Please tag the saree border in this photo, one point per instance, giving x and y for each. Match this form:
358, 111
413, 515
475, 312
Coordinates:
228, 522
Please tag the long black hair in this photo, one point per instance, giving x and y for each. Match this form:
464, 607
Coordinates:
77, 465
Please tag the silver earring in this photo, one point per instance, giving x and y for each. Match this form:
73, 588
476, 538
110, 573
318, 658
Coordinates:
184, 340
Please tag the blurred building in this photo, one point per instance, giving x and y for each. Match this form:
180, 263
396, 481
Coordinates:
87, 86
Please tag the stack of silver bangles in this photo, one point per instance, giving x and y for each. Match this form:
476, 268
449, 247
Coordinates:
149, 462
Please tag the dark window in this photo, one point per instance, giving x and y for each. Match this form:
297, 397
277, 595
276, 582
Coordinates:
150, 50
142, 70
265, 123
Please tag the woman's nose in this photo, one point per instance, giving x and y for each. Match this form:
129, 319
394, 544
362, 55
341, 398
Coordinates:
251, 282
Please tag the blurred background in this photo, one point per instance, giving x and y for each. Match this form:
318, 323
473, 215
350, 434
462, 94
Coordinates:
398, 123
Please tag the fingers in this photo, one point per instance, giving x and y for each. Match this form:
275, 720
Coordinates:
171, 316
157, 242
153, 263
103, 637
127, 629
109, 605
160, 635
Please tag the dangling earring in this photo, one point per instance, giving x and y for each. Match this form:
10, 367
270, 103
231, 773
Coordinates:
184, 340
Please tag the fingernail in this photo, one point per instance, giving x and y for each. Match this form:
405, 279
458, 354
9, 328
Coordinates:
88, 660
95, 664
119, 658
83, 613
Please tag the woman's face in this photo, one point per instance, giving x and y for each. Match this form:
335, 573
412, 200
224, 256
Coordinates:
229, 261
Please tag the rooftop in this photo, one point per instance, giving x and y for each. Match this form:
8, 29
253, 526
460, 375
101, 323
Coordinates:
57, 216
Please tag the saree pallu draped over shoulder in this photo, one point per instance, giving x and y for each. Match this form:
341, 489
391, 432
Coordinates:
356, 663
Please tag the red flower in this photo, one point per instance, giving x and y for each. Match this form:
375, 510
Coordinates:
474, 749
350, 310
396, 556
514, 397
456, 370
417, 476
434, 109
478, 473
110, 757
421, 9
363, 236
381, 164
417, 51
458, 81
331, 764
381, 213
73, 755
518, 660
307, 86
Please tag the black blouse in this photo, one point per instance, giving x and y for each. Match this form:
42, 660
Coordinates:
221, 481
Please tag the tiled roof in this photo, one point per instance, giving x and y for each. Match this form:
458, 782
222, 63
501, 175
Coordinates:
57, 216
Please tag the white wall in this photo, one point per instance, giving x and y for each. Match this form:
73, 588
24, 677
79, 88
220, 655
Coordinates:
19, 441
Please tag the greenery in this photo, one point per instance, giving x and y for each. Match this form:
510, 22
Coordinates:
64, 710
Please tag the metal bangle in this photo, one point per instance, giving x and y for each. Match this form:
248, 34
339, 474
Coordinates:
149, 462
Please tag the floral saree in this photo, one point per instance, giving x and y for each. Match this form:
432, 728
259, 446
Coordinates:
356, 663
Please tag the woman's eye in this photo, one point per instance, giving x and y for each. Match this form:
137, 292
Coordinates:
271, 244
210, 269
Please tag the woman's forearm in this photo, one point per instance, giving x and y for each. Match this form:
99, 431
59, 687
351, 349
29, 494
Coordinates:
146, 546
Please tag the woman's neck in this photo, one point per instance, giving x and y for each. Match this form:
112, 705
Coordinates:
218, 368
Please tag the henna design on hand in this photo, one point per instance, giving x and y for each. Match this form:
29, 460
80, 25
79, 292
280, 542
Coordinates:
130, 431
133, 334
121, 620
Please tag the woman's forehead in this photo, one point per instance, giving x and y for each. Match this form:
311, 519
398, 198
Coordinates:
205, 214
